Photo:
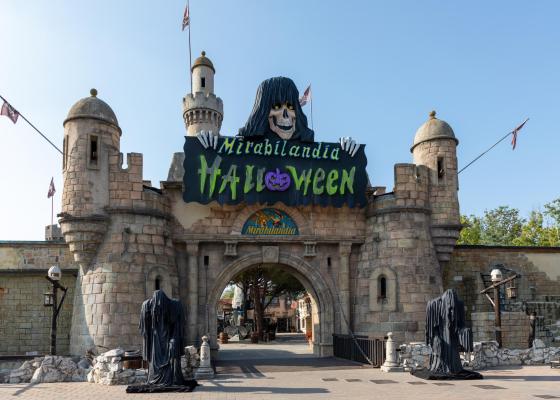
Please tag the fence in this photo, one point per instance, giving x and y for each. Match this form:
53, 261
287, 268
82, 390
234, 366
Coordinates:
344, 346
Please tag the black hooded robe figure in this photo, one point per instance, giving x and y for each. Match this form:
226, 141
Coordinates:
277, 98
161, 326
445, 332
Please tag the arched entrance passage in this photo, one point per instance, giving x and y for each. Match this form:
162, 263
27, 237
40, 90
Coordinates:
310, 278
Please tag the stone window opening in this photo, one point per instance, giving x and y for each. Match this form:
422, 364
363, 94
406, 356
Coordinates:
329, 262
206, 261
440, 168
157, 283
382, 289
202, 82
93, 151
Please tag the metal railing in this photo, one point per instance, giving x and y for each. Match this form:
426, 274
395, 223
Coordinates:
359, 349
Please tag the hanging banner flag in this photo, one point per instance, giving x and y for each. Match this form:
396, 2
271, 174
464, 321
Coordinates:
52, 190
9, 112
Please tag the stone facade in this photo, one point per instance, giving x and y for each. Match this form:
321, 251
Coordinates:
538, 290
24, 321
367, 270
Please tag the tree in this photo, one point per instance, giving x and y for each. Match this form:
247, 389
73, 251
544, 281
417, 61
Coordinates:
553, 211
472, 230
262, 286
533, 233
228, 293
501, 225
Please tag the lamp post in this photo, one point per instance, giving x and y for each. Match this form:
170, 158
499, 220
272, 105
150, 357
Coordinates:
496, 276
50, 300
497, 280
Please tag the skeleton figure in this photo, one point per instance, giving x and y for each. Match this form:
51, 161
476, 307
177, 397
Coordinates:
282, 120
277, 114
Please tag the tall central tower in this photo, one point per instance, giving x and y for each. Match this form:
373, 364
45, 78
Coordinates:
202, 109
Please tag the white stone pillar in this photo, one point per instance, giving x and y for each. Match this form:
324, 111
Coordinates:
204, 371
391, 363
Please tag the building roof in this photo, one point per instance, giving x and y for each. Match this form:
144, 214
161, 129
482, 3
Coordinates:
203, 61
432, 129
92, 108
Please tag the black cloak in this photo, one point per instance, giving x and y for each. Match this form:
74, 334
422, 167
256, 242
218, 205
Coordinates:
445, 332
161, 326
273, 91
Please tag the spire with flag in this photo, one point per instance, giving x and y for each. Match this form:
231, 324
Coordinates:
187, 23
186, 17
50, 195
52, 190
306, 98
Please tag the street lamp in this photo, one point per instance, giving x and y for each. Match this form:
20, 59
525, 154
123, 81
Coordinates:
497, 279
50, 300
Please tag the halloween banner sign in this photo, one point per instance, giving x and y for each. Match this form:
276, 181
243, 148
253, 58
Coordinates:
268, 170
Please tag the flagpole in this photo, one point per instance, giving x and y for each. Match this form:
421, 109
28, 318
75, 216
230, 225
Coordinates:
312, 112
52, 209
490, 148
190, 53
33, 126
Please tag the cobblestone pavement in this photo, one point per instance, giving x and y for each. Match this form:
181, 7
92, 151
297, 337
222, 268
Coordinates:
363, 383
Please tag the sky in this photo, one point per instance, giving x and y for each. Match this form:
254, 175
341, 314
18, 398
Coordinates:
377, 68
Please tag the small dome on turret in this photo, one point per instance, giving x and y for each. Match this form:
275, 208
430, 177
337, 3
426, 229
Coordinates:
92, 108
433, 129
203, 61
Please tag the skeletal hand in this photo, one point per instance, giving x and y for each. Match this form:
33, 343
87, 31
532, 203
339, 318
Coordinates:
208, 139
350, 145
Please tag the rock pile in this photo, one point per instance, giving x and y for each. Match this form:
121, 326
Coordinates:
416, 355
50, 369
108, 368
487, 354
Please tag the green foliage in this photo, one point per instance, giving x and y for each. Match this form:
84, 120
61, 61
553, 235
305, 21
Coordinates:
503, 226
472, 230
228, 293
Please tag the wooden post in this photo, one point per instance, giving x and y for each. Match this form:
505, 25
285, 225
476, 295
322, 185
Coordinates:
53, 321
498, 319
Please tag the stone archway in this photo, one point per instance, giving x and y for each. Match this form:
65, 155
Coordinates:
310, 278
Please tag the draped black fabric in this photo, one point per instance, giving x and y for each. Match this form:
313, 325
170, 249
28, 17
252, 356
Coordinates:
272, 91
446, 334
161, 326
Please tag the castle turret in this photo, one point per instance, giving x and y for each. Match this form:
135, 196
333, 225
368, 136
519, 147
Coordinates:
202, 110
435, 146
91, 133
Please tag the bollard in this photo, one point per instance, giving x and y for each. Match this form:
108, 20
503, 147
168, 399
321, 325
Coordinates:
204, 371
391, 363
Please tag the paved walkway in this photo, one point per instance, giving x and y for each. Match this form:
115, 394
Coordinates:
286, 345
361, 383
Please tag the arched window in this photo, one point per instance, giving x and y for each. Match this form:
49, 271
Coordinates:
382, 287
157, 283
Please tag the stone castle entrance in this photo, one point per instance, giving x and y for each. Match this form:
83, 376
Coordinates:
313, 282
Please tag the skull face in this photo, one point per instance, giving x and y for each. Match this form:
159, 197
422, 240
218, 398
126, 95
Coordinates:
282, 120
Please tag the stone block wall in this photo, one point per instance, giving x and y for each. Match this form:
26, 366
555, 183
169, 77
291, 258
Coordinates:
136, 251
515, 328
536, 283
24, 321
398, 248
